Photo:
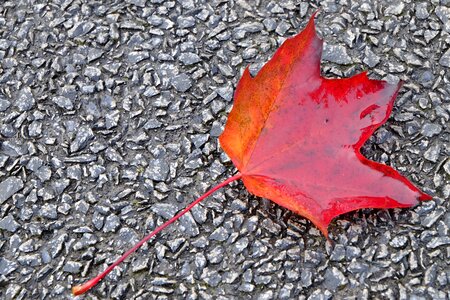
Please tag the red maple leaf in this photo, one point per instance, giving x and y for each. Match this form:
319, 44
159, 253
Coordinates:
295, 138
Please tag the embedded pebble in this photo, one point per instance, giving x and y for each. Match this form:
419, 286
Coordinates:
432, 154
334, 279
158, 170
189, 58
220, 234
111, 224
63, 102
430, 129
9, 224
445, 59
336, 54
72, 267
422, 10
165, 210
9, 187
25, 100
4, 104
82, 139
181, 82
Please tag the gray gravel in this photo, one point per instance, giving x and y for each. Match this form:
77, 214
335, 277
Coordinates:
109, 117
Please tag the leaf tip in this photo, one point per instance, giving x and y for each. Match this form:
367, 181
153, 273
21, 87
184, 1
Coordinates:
311, 23
314, 14
322, 225
246, 74
425, 197
325, 233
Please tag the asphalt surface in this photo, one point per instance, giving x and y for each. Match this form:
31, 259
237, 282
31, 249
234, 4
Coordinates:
109, 118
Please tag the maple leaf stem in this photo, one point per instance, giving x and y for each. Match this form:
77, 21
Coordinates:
83, 288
